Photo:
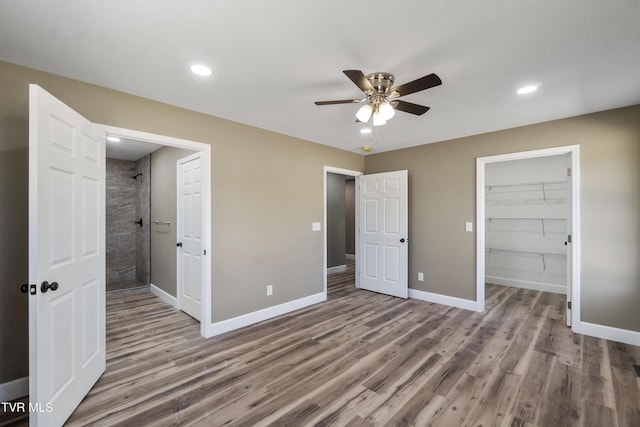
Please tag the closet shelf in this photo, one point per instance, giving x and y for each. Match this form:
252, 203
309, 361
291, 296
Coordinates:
524, 219
518, 251
542, 255
526, 184
542, 220
540, 192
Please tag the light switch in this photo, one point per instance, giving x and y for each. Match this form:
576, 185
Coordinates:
315, 226
468, 227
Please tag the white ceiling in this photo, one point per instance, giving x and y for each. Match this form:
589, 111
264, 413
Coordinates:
273, 59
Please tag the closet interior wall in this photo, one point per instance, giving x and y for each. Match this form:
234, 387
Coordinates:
527, 220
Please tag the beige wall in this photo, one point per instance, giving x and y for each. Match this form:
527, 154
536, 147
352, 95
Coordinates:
261, 217
14, 191
163, 208
442, 198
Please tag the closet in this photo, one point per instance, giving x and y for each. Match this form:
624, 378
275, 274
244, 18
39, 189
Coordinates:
527, 214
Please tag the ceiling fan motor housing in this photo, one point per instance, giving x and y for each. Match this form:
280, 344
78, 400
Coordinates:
382, 82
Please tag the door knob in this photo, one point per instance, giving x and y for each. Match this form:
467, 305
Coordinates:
45, 286
179, 244
401, 240
24, 288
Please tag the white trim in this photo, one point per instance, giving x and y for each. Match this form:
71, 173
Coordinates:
524, 284
607, 332
217, 328
15, 389
164, 295
574, 152
206, 190
331, 169
466, 304
337, 269
350, 256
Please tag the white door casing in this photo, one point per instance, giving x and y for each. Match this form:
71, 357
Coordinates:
573, 249
66, 246
383, 233
568, 242
190, 215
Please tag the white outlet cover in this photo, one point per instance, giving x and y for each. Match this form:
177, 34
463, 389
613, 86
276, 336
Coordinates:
315, 226
420, 277
468, 227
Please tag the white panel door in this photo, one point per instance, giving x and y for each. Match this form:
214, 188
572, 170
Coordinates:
383, 234
190, 229
66, 252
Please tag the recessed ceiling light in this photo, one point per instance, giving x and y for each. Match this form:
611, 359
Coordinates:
365, 131
201, 70
113, 139
527, 89
366, 148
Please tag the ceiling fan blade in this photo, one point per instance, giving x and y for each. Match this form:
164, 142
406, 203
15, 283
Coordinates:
417, 85
360, 80
410, 107
342, 101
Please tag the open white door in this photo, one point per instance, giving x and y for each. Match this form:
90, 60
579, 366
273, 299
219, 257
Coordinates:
383, 233
66, 258
190, 243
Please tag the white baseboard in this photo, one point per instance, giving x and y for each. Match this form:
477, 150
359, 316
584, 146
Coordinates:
163, 295
350, 256
608, 332
536, 286
217, 328
337, 269
443, 299
14, 389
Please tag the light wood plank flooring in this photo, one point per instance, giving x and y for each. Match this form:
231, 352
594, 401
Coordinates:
364, 359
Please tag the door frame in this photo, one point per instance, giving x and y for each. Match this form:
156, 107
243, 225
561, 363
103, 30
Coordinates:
205, 149
574, 180
347, 172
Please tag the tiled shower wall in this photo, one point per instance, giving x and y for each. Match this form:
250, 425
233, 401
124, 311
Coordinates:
127, 244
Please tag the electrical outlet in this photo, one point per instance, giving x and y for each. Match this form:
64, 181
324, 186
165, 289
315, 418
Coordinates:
420, 277
269, 290
468, 227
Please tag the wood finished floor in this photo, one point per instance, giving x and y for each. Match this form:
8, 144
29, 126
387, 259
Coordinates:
364, 359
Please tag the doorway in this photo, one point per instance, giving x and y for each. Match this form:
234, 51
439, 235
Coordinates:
528, 226
340, 219
162, 226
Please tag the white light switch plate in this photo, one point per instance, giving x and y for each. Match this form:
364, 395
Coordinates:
315, 226
468, 227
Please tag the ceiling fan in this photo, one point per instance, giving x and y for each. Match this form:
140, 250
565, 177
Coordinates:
381, 96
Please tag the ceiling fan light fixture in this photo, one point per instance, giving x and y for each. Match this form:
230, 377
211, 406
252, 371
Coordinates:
364, 113
386, 111
378, 119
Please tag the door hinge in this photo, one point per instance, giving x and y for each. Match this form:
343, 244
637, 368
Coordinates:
569, 238
204, 251
568, 171
569, 305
